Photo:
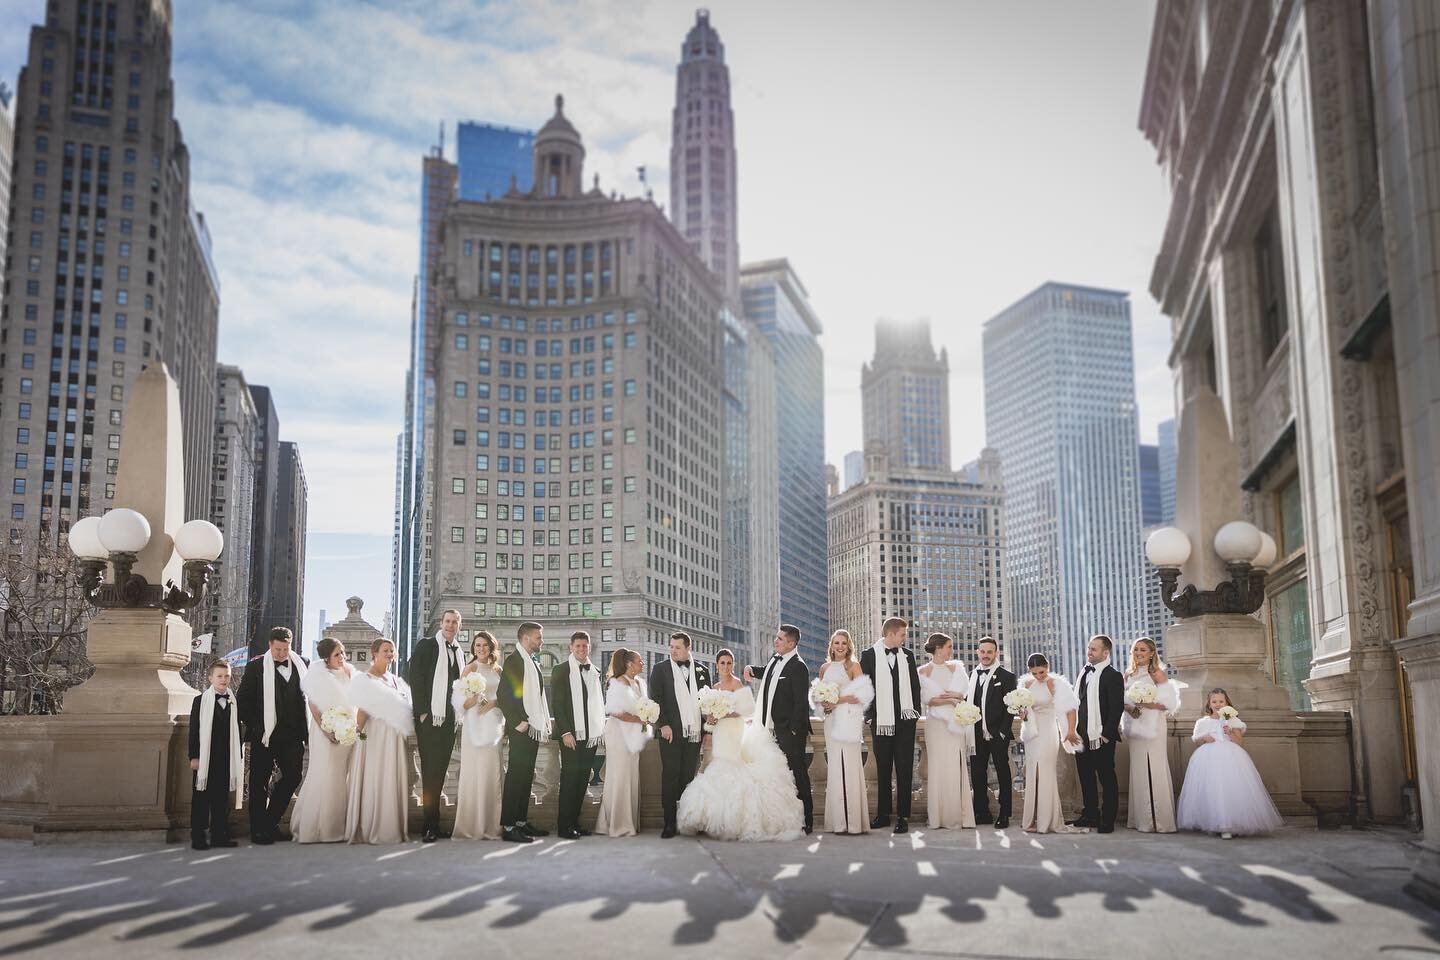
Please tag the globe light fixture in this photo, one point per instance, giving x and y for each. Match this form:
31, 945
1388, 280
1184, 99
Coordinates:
1246, 552
118, 537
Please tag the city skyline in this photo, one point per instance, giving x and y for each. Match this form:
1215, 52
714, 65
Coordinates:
325, 183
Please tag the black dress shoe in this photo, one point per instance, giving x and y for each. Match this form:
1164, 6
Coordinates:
199, 845
262, 839
902, 825
582, 831
667, 833
515, 835
1002, 823
443, 834
879, 823
429, 837
1079, 822
808, 829
224, 843
569, 833
532, 830
1105, 829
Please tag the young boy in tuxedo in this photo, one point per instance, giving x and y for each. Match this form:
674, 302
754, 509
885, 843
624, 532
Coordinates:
214, 759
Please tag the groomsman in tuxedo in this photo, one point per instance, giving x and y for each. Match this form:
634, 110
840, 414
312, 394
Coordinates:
272, 708
527, 725
988, 685
785, 708
578, 708
434, 665
891, 668
1101, 691
214, 759
675, 685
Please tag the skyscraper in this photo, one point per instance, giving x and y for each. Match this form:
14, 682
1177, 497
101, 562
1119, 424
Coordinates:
108, 267
777, 305
7, 147
287, 575
1168, 454
1152, 505
491, 157
577, 468
229, 612
1060, 410
267, 482
906, 394
703, 199
854, 468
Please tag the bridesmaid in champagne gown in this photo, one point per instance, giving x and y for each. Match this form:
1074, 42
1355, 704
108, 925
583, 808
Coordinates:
378, 807
943, 683
847, 809
477, 810
319, 814
1144, 726
625, 738
1054, 711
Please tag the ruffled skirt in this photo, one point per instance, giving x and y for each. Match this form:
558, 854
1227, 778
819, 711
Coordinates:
746, 792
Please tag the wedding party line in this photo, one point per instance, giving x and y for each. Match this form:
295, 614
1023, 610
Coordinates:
750, 724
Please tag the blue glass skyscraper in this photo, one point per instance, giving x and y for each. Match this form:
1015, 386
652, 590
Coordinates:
490, 156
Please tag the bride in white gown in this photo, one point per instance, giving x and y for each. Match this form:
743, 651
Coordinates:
746, 791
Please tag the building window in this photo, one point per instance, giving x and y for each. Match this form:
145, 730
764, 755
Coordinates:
457, 485
1270, 281
630, 534
1293, 650
457, 437
1291, 521
457, 534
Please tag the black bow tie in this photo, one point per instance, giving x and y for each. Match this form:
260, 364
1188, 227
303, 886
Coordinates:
778, 656
453, 647
682, 663
584, 667
892, 651
1089, 667
981, 673
222, 698
282, 663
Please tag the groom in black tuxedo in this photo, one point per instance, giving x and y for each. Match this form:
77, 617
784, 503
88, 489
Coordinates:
1102, 700
988, 686
784, 701
435, 714
283, 746
679, 749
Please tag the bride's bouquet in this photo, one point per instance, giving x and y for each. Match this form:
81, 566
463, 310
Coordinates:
474, 685
647, 710
714, 705
339, 722
1019, 699
966, 713
1141, 692
824, 693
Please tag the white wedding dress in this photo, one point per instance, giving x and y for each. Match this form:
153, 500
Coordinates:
746, 791
1223, 792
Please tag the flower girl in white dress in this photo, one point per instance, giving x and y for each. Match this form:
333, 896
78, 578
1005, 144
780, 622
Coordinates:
1223, 792
746, 791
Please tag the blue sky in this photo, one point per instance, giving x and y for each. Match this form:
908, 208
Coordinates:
912, 158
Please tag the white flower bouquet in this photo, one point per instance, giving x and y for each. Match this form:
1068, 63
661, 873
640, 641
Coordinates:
474, 685
647, 710
339, 722
825, 693
1140, 693
1228, 712
966, 713
714, 705
1019, 699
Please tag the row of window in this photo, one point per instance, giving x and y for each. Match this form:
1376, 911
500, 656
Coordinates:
577, 536
578, 440
541, 561
577, 488
542, 324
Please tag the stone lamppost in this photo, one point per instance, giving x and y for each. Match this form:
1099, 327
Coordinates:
114, 762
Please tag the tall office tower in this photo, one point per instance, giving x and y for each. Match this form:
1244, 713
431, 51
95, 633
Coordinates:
108, 266
703, 204
777, 306
263, 539
906, 395
1060, 410
577, 468
1168, 454
287, 575
854, 468
395, 538
232, 508
925, 545
1152, 505
492, 158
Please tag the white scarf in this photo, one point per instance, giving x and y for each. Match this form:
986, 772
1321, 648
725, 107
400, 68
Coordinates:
689, 706
1092, 707
578, 716
979, 693
884, 694
537, 708
269, 690
440, 687
207, 720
